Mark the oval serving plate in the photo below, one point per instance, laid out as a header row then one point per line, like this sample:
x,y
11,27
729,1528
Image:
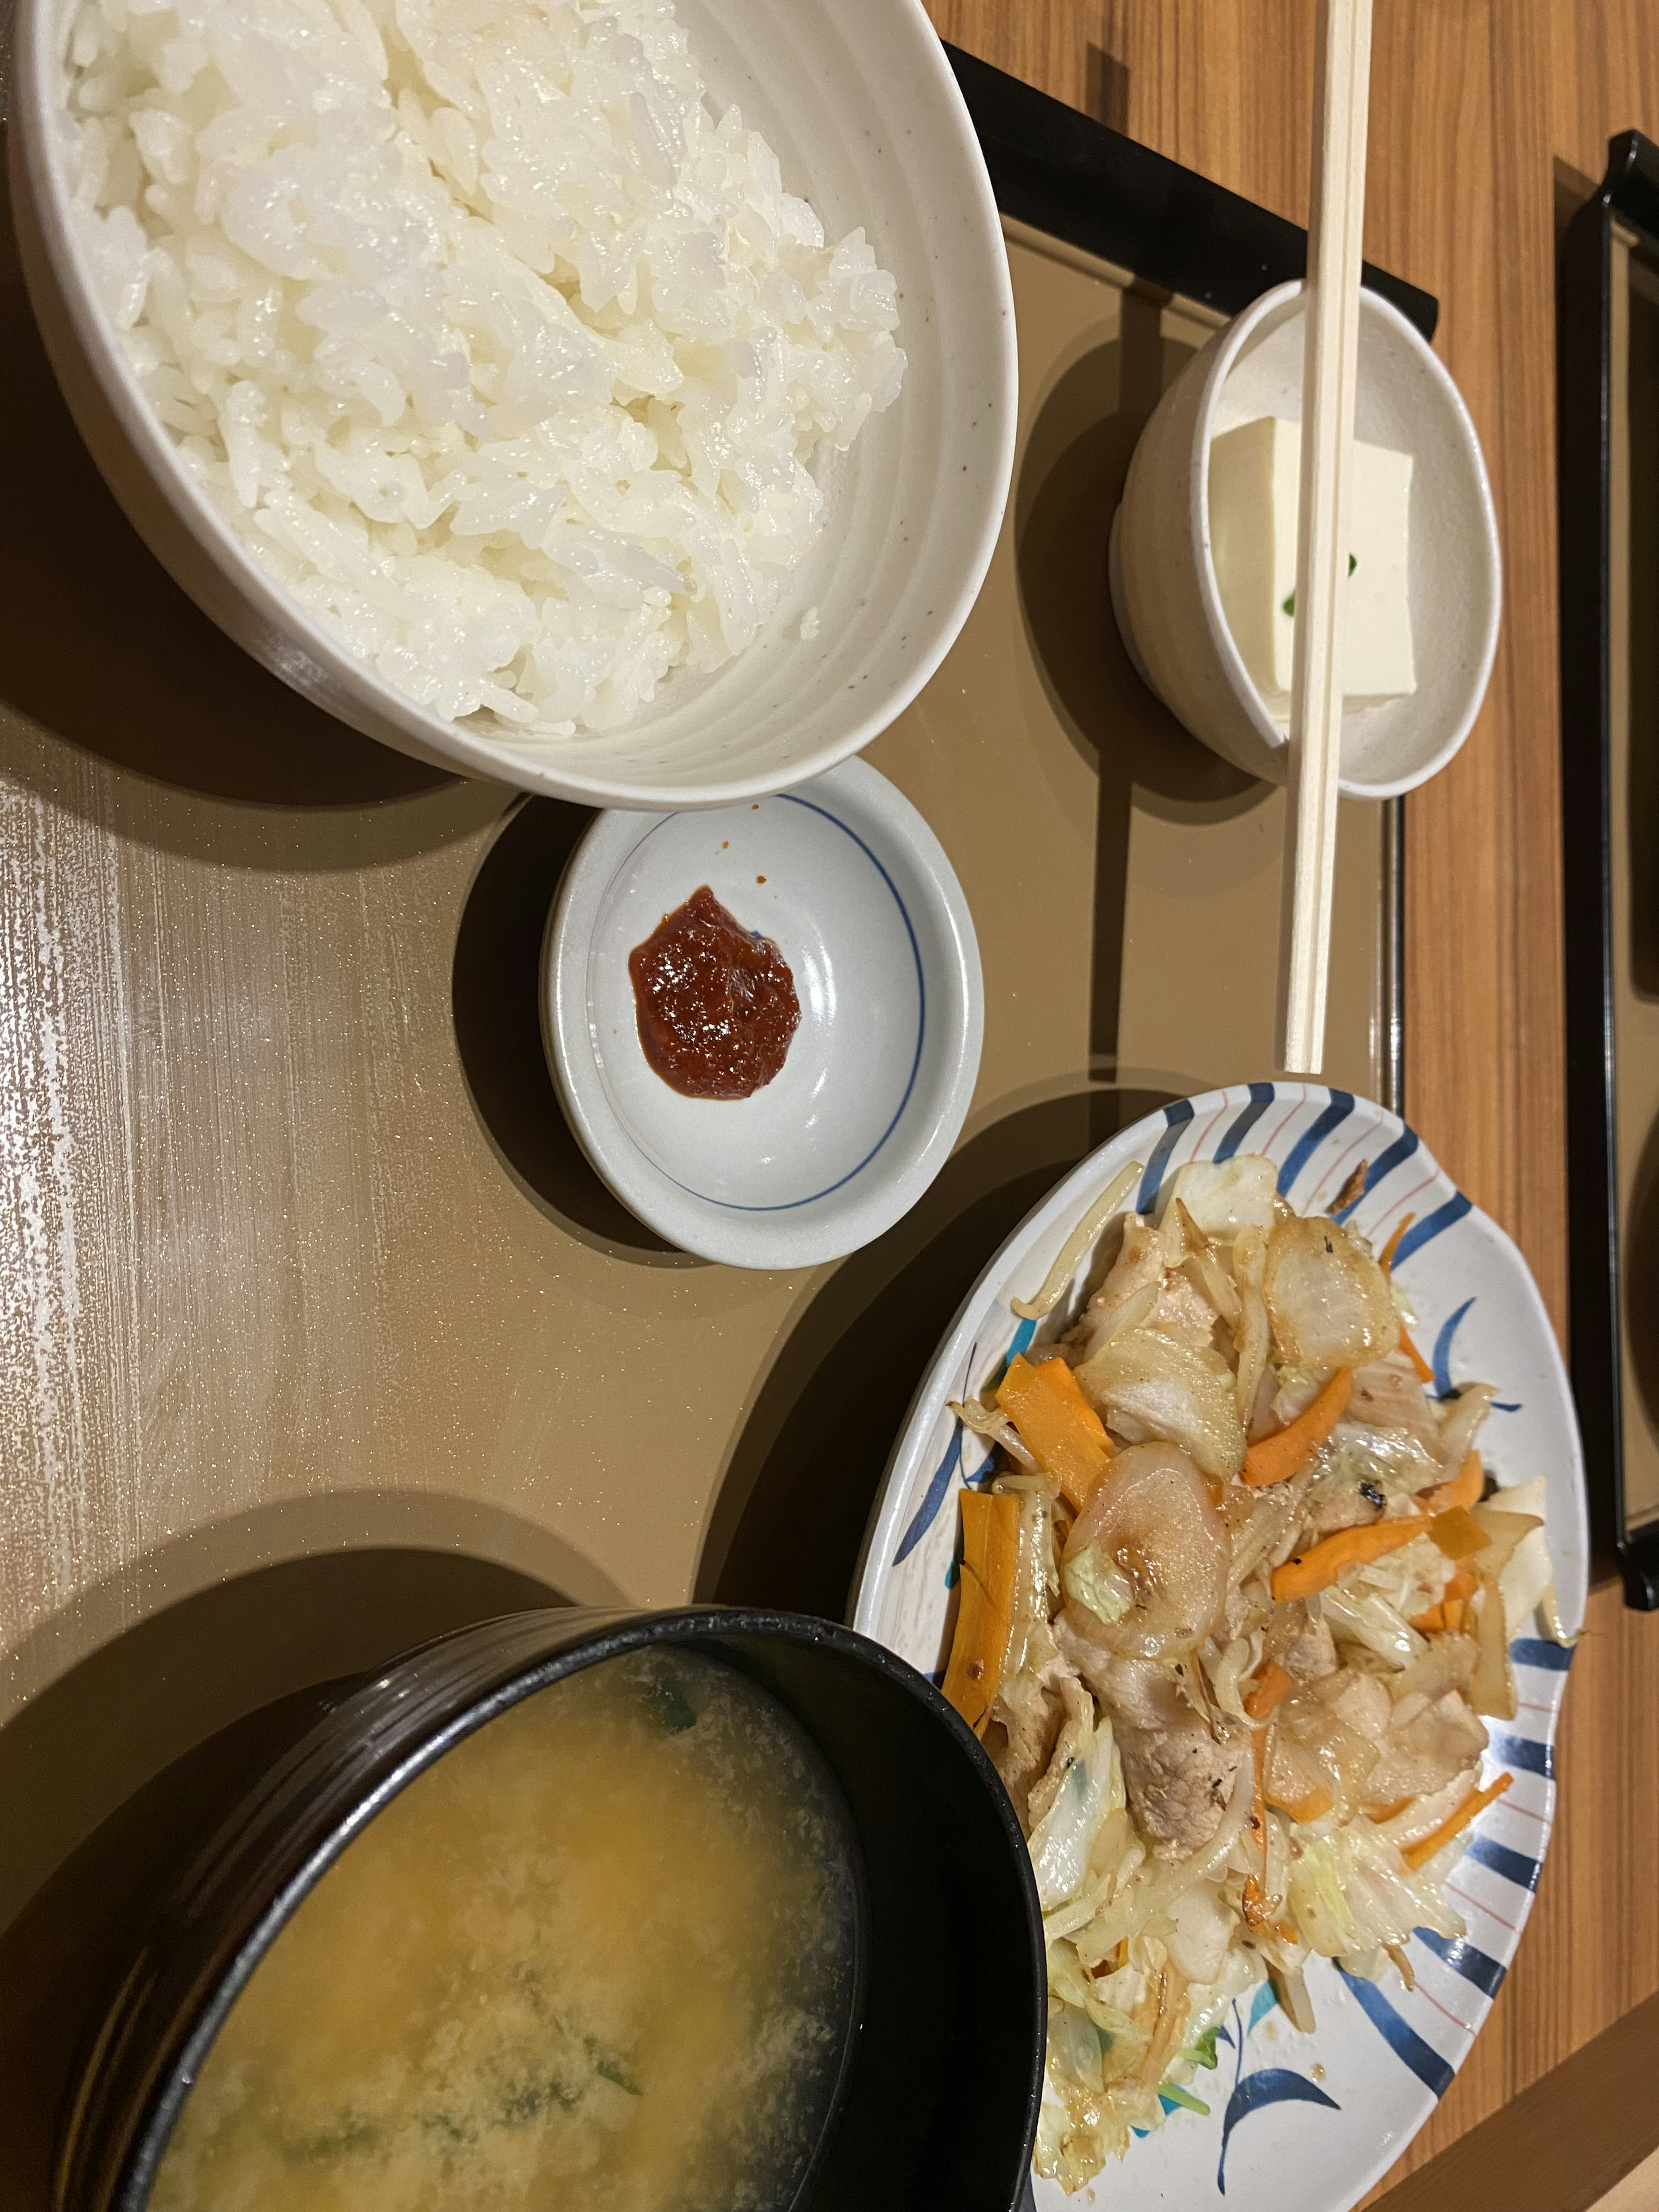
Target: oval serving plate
x,y
1296,2124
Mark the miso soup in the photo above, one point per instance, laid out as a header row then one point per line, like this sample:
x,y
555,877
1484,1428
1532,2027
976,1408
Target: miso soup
x,y
599,1958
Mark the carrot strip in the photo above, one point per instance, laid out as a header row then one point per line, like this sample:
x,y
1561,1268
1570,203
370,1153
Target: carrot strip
x,y
1379,1814
1385,1257
1464,1489
1056,1424
1425,1372
1448,1612
1281,1454
990,1552
1313,1807
1457,1533
1271,1686
1417,1856
1318,1568
1062,1380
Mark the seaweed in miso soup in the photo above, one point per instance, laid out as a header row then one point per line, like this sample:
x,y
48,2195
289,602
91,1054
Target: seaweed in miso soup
x,y
601,1955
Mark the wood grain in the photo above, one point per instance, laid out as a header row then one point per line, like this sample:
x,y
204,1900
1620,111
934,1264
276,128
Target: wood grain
x,y
1474,102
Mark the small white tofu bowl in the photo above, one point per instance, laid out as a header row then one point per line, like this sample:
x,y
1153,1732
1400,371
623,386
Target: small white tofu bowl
x,y
857,99
848,881
1164,583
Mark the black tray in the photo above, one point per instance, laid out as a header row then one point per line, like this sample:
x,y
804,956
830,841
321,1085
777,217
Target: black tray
x,y
1080,180
1609,1260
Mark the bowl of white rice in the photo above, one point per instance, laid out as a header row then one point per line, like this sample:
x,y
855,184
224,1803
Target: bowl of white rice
x,y
611,398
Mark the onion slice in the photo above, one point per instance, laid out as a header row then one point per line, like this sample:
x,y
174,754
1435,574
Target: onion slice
x,y
1058,1280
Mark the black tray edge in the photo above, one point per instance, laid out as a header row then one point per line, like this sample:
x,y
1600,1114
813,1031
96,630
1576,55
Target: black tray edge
x,y
1583,370
1062,172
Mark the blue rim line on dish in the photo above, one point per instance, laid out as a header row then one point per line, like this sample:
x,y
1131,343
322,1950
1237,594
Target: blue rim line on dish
x,y
789,1205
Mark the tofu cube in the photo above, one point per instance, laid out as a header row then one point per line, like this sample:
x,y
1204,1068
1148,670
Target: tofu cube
x,y
1255,494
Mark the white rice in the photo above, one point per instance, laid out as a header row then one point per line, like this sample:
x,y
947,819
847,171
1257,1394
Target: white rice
x,y
508,359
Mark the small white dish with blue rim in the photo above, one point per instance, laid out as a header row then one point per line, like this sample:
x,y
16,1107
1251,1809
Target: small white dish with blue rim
x,y
849,881
1288,2122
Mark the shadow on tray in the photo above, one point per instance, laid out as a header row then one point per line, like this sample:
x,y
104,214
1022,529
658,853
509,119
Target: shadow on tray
x,y
789,1519
271,1638
789,1524
498,1032
1071,480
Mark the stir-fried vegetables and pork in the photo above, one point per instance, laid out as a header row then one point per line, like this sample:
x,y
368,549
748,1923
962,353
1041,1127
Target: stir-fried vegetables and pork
x,y
1231,1611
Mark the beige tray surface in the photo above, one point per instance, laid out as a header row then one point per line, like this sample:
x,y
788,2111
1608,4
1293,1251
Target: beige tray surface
x,y
296,1260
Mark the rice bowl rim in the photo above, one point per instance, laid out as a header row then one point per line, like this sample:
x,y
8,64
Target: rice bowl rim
x,y
222,576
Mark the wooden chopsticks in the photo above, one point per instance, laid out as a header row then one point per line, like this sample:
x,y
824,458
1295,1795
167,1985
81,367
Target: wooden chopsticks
x,y
1329,377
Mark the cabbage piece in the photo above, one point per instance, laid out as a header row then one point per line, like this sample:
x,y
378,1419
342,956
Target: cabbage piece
x,y
1390,1458
1093,1579
1409,1580
1075,2053
1272,1522
1388,1393
1030,1648
1360,1698
1097,2103
1328,1302
1350,1892
1296,1389
1204,1927
1356,1615
1060,1842
1224,1196
1067,1981
1176,1391
1155,1885
1150,1524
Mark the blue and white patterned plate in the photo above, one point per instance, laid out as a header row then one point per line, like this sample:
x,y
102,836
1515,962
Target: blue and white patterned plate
x,y
1297,2124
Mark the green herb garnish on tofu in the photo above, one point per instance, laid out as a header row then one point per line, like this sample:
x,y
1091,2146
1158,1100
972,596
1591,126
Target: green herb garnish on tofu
x,y
1290,604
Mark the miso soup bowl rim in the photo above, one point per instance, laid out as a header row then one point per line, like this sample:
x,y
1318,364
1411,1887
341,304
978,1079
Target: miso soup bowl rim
x,y
365,1747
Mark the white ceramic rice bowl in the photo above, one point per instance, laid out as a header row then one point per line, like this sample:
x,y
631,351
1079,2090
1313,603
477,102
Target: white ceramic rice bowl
x,y
858,100
1296,2124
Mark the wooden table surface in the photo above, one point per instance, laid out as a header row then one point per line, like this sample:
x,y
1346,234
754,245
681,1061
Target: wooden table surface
x,y
1478,108
1477,104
